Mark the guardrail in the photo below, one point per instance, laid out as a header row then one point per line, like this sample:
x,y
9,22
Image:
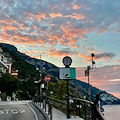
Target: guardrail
x,y
80,107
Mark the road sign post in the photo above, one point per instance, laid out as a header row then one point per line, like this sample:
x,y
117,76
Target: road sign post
x,y
47,78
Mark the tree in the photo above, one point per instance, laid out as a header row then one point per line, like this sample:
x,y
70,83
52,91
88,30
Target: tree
x,y
62,90
59,89
9,84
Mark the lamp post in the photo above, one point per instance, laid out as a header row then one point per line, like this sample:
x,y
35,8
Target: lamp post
x,y
93,62
67,74
87,73
67,62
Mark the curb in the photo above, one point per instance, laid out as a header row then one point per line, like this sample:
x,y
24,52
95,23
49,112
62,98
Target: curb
x,y
45,114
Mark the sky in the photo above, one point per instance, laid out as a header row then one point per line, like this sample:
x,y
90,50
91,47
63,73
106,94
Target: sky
x,y
76,28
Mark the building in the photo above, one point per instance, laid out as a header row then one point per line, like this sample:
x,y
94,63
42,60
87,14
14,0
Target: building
x,y
6,64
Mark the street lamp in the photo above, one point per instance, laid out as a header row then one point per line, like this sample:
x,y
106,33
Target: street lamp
x,y
87,73
93,62
67,62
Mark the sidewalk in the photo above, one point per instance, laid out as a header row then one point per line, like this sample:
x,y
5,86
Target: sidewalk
x,y
57,115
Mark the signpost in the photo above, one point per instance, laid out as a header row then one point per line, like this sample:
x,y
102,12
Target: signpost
x,y
67,74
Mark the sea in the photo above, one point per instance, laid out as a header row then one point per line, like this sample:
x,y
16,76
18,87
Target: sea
x,y
111,112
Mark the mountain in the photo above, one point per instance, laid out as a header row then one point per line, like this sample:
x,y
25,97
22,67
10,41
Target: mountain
x,y
105,97
27,71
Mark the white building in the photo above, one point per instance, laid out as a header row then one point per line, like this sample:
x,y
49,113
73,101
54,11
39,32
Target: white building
x,y
6,65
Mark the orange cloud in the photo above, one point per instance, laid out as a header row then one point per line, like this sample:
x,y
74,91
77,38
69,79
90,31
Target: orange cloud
x,y
56,53
76,16
53,15
30,52
116,94
35,27
38,17
5,28
22,26
117,61
116,68
92,51
41,40
70,33
84,56
75,6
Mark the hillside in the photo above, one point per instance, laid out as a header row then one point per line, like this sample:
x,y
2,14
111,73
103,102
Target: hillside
x,y
28,74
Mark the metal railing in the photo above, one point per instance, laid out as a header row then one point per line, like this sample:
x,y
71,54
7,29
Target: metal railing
x,y
80,107
44,105
87,110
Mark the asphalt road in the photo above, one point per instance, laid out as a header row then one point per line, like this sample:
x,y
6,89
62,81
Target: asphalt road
x,y
19,110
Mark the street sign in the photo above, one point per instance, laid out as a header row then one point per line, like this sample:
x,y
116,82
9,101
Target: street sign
x,y
47,78
67,73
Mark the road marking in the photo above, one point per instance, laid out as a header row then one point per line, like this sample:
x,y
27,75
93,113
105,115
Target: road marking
x,y
12,102
14,111
33,111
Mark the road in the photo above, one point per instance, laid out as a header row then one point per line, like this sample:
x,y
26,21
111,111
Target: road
x,y
19,110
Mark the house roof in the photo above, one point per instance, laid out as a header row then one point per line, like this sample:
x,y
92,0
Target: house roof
x,y
2,64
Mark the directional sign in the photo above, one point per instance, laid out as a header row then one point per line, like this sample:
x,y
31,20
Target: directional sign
x,y
47,78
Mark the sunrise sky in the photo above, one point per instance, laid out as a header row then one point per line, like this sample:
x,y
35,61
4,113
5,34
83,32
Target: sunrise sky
x,y
75,28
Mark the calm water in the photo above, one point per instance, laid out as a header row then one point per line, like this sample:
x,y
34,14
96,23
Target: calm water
x,y
112,112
